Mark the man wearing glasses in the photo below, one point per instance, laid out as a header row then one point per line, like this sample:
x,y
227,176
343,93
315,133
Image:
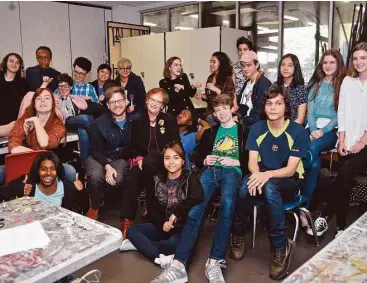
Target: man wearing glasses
x,y
109,148
34,75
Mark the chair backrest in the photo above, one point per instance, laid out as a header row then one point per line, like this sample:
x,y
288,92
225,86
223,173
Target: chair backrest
x,y
19,164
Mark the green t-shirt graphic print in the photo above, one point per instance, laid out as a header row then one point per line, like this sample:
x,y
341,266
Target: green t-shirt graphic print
x,y
226,145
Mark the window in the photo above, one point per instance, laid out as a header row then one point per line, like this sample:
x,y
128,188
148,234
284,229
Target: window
x,y
157,21
261,20
306,32
343,15
185,18
219,13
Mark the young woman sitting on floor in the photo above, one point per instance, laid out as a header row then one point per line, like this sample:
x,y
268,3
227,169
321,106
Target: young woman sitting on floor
x,y
169,198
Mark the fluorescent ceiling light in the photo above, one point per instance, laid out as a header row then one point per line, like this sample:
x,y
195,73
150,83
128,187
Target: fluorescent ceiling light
x,y
311,24
290,18
233,11
183,28
267,31
196,16
272,47
149,24
262,28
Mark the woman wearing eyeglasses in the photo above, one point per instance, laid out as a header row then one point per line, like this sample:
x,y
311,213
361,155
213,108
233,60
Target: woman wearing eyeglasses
x,y
172,193
150,133
132,84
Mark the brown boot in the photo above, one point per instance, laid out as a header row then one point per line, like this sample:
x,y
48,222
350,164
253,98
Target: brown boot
x,y
93,213
237,247
126,223
281,261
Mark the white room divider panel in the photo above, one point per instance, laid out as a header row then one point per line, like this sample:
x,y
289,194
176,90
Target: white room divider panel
x,y
178,44
153,59
204,43
50,29
10,40
228,41
87,29
131,49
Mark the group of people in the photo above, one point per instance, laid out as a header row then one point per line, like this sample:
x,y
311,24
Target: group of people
x,y
251,141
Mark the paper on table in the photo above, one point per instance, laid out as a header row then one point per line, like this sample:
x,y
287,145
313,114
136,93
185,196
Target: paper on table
x,y
21,238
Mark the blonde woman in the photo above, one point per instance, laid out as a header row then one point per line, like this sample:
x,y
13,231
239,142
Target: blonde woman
x,y
132,84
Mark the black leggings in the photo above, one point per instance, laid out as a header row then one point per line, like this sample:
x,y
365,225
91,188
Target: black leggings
x,y
338,201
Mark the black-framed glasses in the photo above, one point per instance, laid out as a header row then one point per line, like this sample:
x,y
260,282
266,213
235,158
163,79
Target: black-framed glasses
x,y
116,102
2,224
76,73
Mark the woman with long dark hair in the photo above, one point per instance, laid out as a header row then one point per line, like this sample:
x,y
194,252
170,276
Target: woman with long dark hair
x,y
13,87
46,181
173,192
220,80
178,86
352,140
290,76
323,98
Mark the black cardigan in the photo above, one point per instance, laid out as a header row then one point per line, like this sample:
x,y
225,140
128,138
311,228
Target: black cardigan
x,y
166,131
135,86
178,101
258,91
189,192
207,142
15,189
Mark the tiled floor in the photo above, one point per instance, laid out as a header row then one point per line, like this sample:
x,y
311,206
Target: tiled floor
x,y
132,267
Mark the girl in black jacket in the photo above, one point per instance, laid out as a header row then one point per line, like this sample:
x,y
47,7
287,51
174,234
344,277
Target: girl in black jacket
x,y
46,181
174,191
178,86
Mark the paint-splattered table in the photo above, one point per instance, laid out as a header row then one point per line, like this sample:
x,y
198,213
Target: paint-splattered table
x,y
342,260
76,241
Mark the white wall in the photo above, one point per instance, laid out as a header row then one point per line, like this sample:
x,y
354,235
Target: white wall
x,y
69,30
125,14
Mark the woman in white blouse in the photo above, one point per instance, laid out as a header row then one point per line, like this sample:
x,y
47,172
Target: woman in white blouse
x,y
352,141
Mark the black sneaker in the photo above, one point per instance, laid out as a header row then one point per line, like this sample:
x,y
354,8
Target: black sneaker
x,y
320,227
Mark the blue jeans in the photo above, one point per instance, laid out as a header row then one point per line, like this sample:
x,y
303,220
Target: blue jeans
x,y
79,125
2,174
152,241
70,172
275,191
326,142
228,180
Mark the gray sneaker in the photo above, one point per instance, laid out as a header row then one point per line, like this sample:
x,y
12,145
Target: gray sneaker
x,y
172,274
214,271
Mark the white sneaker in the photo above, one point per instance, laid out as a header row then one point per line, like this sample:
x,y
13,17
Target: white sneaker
x,y
214,271
172,274
338,232
320,227
164,260
127,246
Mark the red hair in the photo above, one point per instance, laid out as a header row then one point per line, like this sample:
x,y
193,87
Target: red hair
x,y
31,110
